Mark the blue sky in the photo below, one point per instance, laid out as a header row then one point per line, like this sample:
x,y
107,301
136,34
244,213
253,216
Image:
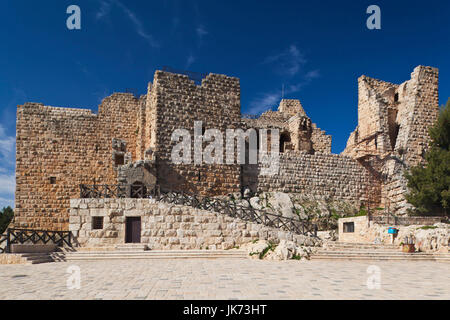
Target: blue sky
x,y
315,49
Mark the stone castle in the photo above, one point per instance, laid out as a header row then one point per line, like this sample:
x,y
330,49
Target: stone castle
x,y
129,142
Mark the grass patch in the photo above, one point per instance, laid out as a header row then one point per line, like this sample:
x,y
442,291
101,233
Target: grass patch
x,y
427,227
270,247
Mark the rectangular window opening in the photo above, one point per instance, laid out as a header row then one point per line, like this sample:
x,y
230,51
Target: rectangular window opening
x,y
97,223
349,227
119,159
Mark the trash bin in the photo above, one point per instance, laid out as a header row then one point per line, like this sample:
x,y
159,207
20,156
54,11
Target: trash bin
x,y
392,230
393,233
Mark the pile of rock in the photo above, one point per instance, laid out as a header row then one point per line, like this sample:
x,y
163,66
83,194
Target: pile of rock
x,y
284,250
432,238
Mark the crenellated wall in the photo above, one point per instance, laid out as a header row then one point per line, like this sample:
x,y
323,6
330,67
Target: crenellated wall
x,y
59,148
178,102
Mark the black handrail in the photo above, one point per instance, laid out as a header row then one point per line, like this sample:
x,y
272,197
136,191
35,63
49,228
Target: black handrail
x,y
3,238
228,207
23,236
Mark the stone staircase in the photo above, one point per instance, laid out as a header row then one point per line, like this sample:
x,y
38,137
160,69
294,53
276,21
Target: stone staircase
x,y
131,247
35,258
130,253
378,252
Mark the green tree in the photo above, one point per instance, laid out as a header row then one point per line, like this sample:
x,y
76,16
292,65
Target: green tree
x,y
429,185
6,215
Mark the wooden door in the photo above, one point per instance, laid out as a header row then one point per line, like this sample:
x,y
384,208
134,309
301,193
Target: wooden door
x,y
133,230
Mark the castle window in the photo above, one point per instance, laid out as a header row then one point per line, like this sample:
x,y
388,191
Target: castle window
x,y
52,180
97,223
349,227
396,97
119,159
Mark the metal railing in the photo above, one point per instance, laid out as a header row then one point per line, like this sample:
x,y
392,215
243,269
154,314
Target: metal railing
x,y
232,208
98,191
3,243
31,236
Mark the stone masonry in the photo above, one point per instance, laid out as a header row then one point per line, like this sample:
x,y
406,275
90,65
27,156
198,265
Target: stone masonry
x,y
129,141
322,175
166,226
393,123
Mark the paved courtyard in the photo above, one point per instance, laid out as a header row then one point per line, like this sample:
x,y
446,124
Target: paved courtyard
x,y
227,279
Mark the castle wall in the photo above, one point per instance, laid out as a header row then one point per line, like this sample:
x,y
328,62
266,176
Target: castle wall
x,y
59,148
167,226
321,142
417,112
396,118
141,124
375,99
176,104
321,175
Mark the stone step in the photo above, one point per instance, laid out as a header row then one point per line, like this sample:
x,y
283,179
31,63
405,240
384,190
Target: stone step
x,y
381,258
361,245
224,252
131,247
370,251
361,249
157,254
35,258
380,254
399,249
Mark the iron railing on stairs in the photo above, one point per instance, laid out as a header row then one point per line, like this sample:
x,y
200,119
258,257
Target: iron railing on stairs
x,y
232,208
31,236
3,243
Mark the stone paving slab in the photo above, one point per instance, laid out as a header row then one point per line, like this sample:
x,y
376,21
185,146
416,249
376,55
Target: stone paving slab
x,y
226,279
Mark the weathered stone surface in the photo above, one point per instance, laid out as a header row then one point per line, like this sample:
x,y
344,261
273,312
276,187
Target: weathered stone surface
x,y
283,250
60,148
160,232
427,238
11,258
393,123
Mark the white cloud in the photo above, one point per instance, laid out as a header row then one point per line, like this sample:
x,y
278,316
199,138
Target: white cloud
x,y
6,202
288,62
7,164
269,100
7,149
105,8
138,25
201,31
190,61
265,102
312,75
7,184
